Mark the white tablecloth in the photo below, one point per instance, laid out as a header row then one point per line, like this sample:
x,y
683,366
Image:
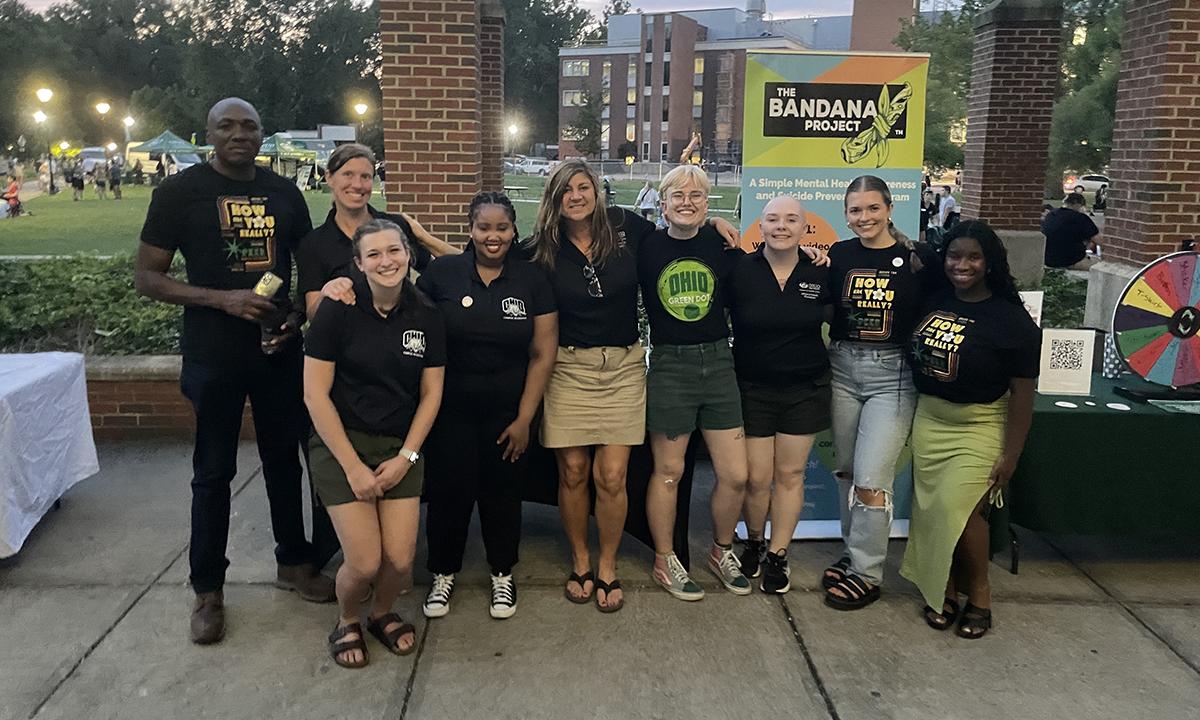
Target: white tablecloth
x,y
46,441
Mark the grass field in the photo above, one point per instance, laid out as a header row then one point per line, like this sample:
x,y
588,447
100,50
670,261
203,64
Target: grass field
x,y
61,226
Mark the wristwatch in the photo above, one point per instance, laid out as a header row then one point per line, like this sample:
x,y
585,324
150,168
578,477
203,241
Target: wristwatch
x,y
410,455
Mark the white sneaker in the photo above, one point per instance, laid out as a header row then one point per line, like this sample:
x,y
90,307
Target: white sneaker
x,y
437,602
504,597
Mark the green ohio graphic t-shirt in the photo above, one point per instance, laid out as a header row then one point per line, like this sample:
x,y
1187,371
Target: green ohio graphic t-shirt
x,y
683,286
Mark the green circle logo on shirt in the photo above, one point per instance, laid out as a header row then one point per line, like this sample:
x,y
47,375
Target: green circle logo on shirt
x,y
685,289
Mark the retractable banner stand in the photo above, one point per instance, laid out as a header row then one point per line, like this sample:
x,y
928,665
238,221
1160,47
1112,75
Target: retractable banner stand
x,y
814,122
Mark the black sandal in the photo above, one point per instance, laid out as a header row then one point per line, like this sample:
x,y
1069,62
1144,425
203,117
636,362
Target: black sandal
x,y
944,619
378,628
839,570
339,645
582,580
857,593
975,622
608,587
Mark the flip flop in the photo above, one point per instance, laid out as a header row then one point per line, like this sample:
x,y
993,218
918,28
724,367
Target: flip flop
x,y
582,580
608,587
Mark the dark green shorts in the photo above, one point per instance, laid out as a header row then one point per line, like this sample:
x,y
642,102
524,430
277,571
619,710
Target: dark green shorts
x,y
800,409
690,387
330,481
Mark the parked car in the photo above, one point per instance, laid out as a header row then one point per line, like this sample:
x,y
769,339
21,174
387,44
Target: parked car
x,y
1089,183
511,168
90,157
537,166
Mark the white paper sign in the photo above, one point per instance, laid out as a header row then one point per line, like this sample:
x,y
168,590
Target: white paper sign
x,y
1066,362
1033,303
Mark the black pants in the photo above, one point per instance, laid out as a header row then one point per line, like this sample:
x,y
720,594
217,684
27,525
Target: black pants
x,y
218,395
464,468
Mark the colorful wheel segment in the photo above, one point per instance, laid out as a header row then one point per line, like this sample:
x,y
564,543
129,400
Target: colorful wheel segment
x,y
1157,321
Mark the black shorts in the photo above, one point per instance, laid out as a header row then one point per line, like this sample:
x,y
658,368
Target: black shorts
x,y
800,409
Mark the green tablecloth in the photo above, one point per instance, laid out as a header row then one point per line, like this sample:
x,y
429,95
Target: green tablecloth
x,y
1094,470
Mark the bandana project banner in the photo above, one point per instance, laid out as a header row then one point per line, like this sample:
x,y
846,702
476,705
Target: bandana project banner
x,y
814,122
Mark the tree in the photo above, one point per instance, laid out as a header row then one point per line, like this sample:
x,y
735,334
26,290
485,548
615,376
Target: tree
x,y
613,7
587,130
949,39
534,31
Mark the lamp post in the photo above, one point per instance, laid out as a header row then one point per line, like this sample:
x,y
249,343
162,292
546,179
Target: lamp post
x,y
45,95
129,123
360,109
513,129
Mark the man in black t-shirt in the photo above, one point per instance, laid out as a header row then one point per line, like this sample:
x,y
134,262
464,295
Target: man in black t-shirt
x,y
1070,233
233,221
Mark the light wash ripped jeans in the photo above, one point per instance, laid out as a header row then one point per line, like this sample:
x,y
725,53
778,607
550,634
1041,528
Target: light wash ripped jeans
x,y
873,405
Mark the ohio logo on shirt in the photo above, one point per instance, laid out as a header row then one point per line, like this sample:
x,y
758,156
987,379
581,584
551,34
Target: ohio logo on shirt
x,y
513,308
414,343
809,290
937,342
248,229
685,289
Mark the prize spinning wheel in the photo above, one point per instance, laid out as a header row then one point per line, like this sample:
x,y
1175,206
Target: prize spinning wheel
x,y
1157,321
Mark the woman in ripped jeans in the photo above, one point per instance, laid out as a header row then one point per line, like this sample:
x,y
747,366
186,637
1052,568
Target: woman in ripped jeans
x,y
882,279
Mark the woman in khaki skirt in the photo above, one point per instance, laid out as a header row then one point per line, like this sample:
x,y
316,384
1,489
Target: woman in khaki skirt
x,y
373,384
596,397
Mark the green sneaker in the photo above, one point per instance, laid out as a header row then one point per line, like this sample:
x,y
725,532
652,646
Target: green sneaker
x,y
673,578
728,570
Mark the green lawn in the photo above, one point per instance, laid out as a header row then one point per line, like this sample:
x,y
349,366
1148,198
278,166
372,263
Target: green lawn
x,y
61,226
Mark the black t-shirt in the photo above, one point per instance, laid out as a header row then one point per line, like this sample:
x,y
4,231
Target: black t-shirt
x,y
603,311
378,361
229,232
968,352
777,333
877,296
488,327
1067,232
683,286
326,253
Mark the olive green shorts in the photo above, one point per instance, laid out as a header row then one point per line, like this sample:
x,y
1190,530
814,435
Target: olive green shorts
x,y
690,387
330,480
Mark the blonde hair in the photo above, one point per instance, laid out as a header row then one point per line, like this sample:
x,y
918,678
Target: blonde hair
x,y
546,238
682,176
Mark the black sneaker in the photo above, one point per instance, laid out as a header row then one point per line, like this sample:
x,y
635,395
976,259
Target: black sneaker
x,y
751,557
776,574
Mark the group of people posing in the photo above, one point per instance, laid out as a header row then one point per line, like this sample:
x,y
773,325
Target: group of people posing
x,y
436,387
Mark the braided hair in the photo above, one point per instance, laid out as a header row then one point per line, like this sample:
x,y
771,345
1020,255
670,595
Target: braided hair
x,y
998,277
491,197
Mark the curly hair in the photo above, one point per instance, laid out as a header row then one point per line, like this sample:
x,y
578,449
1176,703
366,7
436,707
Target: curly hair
x,y
998,275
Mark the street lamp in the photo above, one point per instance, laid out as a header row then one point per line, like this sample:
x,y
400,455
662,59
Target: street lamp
x,y
64,145
129,122
360,109
103,108
513,129
40,118
111,147
44,94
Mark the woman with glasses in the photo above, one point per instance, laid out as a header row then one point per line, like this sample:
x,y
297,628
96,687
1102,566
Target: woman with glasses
x,y
595,404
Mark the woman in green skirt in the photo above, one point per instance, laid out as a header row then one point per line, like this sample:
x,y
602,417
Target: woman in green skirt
x,y
975,358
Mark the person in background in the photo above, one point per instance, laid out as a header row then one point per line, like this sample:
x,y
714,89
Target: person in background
x,y
100,178
114,179
975,359
1100,202
12,197
77,182
373,380
947,209
648,201
1070,234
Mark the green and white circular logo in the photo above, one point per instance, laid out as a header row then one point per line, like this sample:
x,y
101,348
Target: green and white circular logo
x,y
685,289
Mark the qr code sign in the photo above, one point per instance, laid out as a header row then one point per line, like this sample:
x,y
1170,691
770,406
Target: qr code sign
x,y
1066,354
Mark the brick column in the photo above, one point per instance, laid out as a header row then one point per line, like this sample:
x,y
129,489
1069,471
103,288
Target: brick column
x,y
491,92
1014,78
1156,148
431,110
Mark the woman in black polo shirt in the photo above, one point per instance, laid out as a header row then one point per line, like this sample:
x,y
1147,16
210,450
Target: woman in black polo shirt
x,y
976,355
325,260
778,301
372,383
501,330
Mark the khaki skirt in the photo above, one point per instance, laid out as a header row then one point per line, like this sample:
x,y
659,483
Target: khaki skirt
x,y
596,396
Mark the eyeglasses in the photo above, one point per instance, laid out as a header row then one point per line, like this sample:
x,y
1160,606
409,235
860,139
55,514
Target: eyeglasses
x,y
589,274
696,196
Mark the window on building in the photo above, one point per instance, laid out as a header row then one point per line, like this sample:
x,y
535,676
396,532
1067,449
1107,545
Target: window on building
x,y
605,97
631,96
630,133
645,151
650,40
572,98
604,137
666,72
667,30
631,112
665,106
698,66
631,76
606,73
575,68
666,148
648,75
697,98
645,112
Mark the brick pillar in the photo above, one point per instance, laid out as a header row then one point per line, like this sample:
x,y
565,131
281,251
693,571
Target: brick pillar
x,y
1155,164
491,92
431,110
1014,79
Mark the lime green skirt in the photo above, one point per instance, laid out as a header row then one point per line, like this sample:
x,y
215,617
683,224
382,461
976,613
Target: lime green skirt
x,y
954,447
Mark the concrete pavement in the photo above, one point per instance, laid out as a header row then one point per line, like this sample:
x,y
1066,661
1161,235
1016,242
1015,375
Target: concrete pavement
x,y
95,617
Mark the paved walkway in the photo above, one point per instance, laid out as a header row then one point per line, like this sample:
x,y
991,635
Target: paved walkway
x,y
95,613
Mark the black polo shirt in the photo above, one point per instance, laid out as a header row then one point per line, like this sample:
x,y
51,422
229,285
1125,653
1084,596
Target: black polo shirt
x,y
488,327
229,232
968,352
878,297
326,253
1067,232
777,333
683,286
612,319
378,360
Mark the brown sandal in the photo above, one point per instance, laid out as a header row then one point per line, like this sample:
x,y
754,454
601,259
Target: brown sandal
x,y
339,645
390,640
